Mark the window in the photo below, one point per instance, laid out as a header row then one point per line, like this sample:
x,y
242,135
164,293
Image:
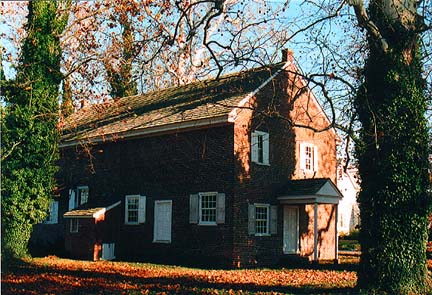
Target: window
x,y
308,157
260,147
83,193
74,225
207,209
78,196
135,206
132,204
261,219
52,217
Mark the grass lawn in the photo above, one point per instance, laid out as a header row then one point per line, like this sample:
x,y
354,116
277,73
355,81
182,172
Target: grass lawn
x,y
349,245
52,275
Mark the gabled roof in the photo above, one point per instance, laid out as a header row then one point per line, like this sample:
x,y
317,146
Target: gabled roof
x,y
204,102
306,191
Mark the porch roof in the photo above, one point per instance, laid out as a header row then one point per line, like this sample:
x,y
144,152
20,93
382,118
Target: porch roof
x,y
310,191
90,212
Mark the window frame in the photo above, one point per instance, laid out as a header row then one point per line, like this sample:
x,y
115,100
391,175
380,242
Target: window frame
x,y
200,208
267,219
50,217
137,197
79,200
78,197
260,147
74,226
311,160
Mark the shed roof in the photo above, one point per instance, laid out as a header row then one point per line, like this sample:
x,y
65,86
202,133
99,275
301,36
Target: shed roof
x,y
188,103
90,212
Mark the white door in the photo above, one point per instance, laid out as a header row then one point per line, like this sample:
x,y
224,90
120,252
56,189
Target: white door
x,y
290,230
108,251
162,221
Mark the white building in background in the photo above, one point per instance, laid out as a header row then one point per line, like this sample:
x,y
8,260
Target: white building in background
x,y
348,183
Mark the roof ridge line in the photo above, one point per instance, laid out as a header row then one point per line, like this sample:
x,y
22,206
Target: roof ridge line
x,y
233,114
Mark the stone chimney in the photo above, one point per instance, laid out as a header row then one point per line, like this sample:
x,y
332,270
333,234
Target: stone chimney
x,y
287,55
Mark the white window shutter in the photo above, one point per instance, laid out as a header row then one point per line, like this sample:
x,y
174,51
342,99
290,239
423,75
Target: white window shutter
x,y
54,212
315,155
251,221
193,208
266,148
220,208
273,220
71,199
141,209
302,156
126,209
254,147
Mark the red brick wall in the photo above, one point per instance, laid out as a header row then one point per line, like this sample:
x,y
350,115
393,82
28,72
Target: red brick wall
x,y
171,167
260,183
276,113
80,245
326,231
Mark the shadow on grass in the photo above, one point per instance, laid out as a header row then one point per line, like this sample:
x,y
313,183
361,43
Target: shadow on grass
x,y
26,278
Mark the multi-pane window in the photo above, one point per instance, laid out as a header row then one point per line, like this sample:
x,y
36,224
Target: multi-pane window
x,y
52,216
132,208
308,157
261,219
208,208
309,153
260,147
78,196
74,225
83,193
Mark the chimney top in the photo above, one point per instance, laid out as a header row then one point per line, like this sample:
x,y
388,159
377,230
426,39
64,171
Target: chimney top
x,y
287,55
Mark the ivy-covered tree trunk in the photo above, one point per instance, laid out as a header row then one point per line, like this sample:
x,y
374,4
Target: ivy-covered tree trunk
x,y
120,76
29,133
392,155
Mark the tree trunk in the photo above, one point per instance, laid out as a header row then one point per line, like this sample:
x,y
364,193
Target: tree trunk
x,y
392,155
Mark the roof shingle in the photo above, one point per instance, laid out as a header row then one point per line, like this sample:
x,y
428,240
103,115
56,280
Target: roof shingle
x,y
195,101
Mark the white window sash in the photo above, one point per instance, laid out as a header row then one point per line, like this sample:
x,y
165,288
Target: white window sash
x,y
201,195
127,198
313,157
74,222
267,219
79,197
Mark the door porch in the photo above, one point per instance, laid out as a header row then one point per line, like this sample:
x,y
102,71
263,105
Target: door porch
x,y
310,218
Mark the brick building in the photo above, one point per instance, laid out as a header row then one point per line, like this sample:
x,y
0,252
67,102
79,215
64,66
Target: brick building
x,y
217,172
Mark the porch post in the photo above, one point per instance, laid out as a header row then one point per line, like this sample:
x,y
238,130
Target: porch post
x,y
315,232
336,234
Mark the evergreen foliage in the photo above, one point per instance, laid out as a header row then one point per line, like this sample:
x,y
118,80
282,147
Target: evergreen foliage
x,y
29,129
392,155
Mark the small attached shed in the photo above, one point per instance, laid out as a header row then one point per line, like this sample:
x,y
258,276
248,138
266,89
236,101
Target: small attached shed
x,y
91,233
310,218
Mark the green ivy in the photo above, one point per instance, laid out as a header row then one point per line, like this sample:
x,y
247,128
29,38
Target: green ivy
x,y
29,134
393,165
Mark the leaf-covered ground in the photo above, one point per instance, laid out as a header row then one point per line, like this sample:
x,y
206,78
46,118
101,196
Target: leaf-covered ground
x,y
52,275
